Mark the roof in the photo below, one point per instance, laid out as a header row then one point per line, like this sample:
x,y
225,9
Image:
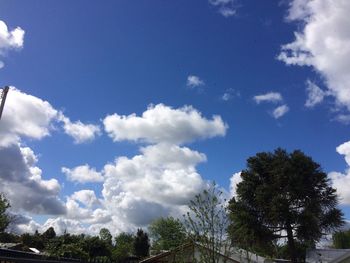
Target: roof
x,y
327,255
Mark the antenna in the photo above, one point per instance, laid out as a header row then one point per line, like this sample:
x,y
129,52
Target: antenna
x,y
3,99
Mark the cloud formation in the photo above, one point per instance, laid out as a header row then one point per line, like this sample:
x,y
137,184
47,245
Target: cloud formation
x,y
10,39
280,111
82,174
161,123
341,181
315,95
323,43
194,81
226,8
79,131
273,97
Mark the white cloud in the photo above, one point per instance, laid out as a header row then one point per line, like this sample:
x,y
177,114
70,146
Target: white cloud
x,y
230,94
25,116
341,181
161,123
62,224
79,131
86,197
10,39
82,174
22,184
157,182
194,81
234,181
273,97
315,94
323,42
280,111
226,8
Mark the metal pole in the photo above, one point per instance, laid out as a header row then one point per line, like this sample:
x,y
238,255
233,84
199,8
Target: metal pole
x,y
3,99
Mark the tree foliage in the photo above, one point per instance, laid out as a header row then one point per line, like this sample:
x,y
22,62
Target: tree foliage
x,y
341,239
167,233
283,196
4,217
141,244
106,236
124,246
207,223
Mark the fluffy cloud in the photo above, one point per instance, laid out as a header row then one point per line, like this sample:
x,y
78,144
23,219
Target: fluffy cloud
x,y
82,174
86,197
280,111
161,123
62,224
79,131
273,97
157,182
10,39
226,8
323,43
25,116
22,184
341,181
194,81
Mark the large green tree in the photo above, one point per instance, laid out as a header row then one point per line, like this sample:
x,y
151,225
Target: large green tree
x,y
283,196
167,233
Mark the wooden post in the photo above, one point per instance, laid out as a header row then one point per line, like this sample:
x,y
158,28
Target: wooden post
x,y
3,98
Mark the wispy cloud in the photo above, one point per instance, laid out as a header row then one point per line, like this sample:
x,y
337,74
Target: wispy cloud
x,y
280,111
227,8
314,94
194,81
273,97
230,94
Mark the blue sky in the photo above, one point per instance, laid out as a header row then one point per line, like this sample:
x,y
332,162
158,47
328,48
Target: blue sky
x,y
89,60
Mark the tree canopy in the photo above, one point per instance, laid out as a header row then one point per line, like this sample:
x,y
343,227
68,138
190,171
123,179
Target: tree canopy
x,y
141,244
341,239
167,233
283,196
4,217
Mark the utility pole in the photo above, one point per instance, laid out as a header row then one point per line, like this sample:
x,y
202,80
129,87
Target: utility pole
x,y
3,99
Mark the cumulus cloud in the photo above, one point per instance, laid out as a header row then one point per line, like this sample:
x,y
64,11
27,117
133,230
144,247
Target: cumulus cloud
x,y
79,131
315,94
226,8
82,174
86,197
341,181
159,180
161,123
21,182
194,81
25,116
10,39
273,97
280,111
323,43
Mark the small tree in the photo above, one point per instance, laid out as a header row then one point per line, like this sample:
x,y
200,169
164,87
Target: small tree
x,y
283,196
141,244
49,233
167,233
106,236
207,223
4,217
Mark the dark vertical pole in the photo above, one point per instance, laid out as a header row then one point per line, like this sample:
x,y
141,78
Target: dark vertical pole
x,y
3,98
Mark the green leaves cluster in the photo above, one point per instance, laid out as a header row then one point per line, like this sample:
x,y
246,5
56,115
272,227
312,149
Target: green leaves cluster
x,y
282,196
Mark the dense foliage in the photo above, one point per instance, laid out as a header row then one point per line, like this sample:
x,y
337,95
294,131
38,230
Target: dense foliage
x,y
341,239
283,196
167,233
4,217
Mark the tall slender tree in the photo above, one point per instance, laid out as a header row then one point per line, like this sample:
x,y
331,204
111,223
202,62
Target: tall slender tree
x,y
141,244
283,196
